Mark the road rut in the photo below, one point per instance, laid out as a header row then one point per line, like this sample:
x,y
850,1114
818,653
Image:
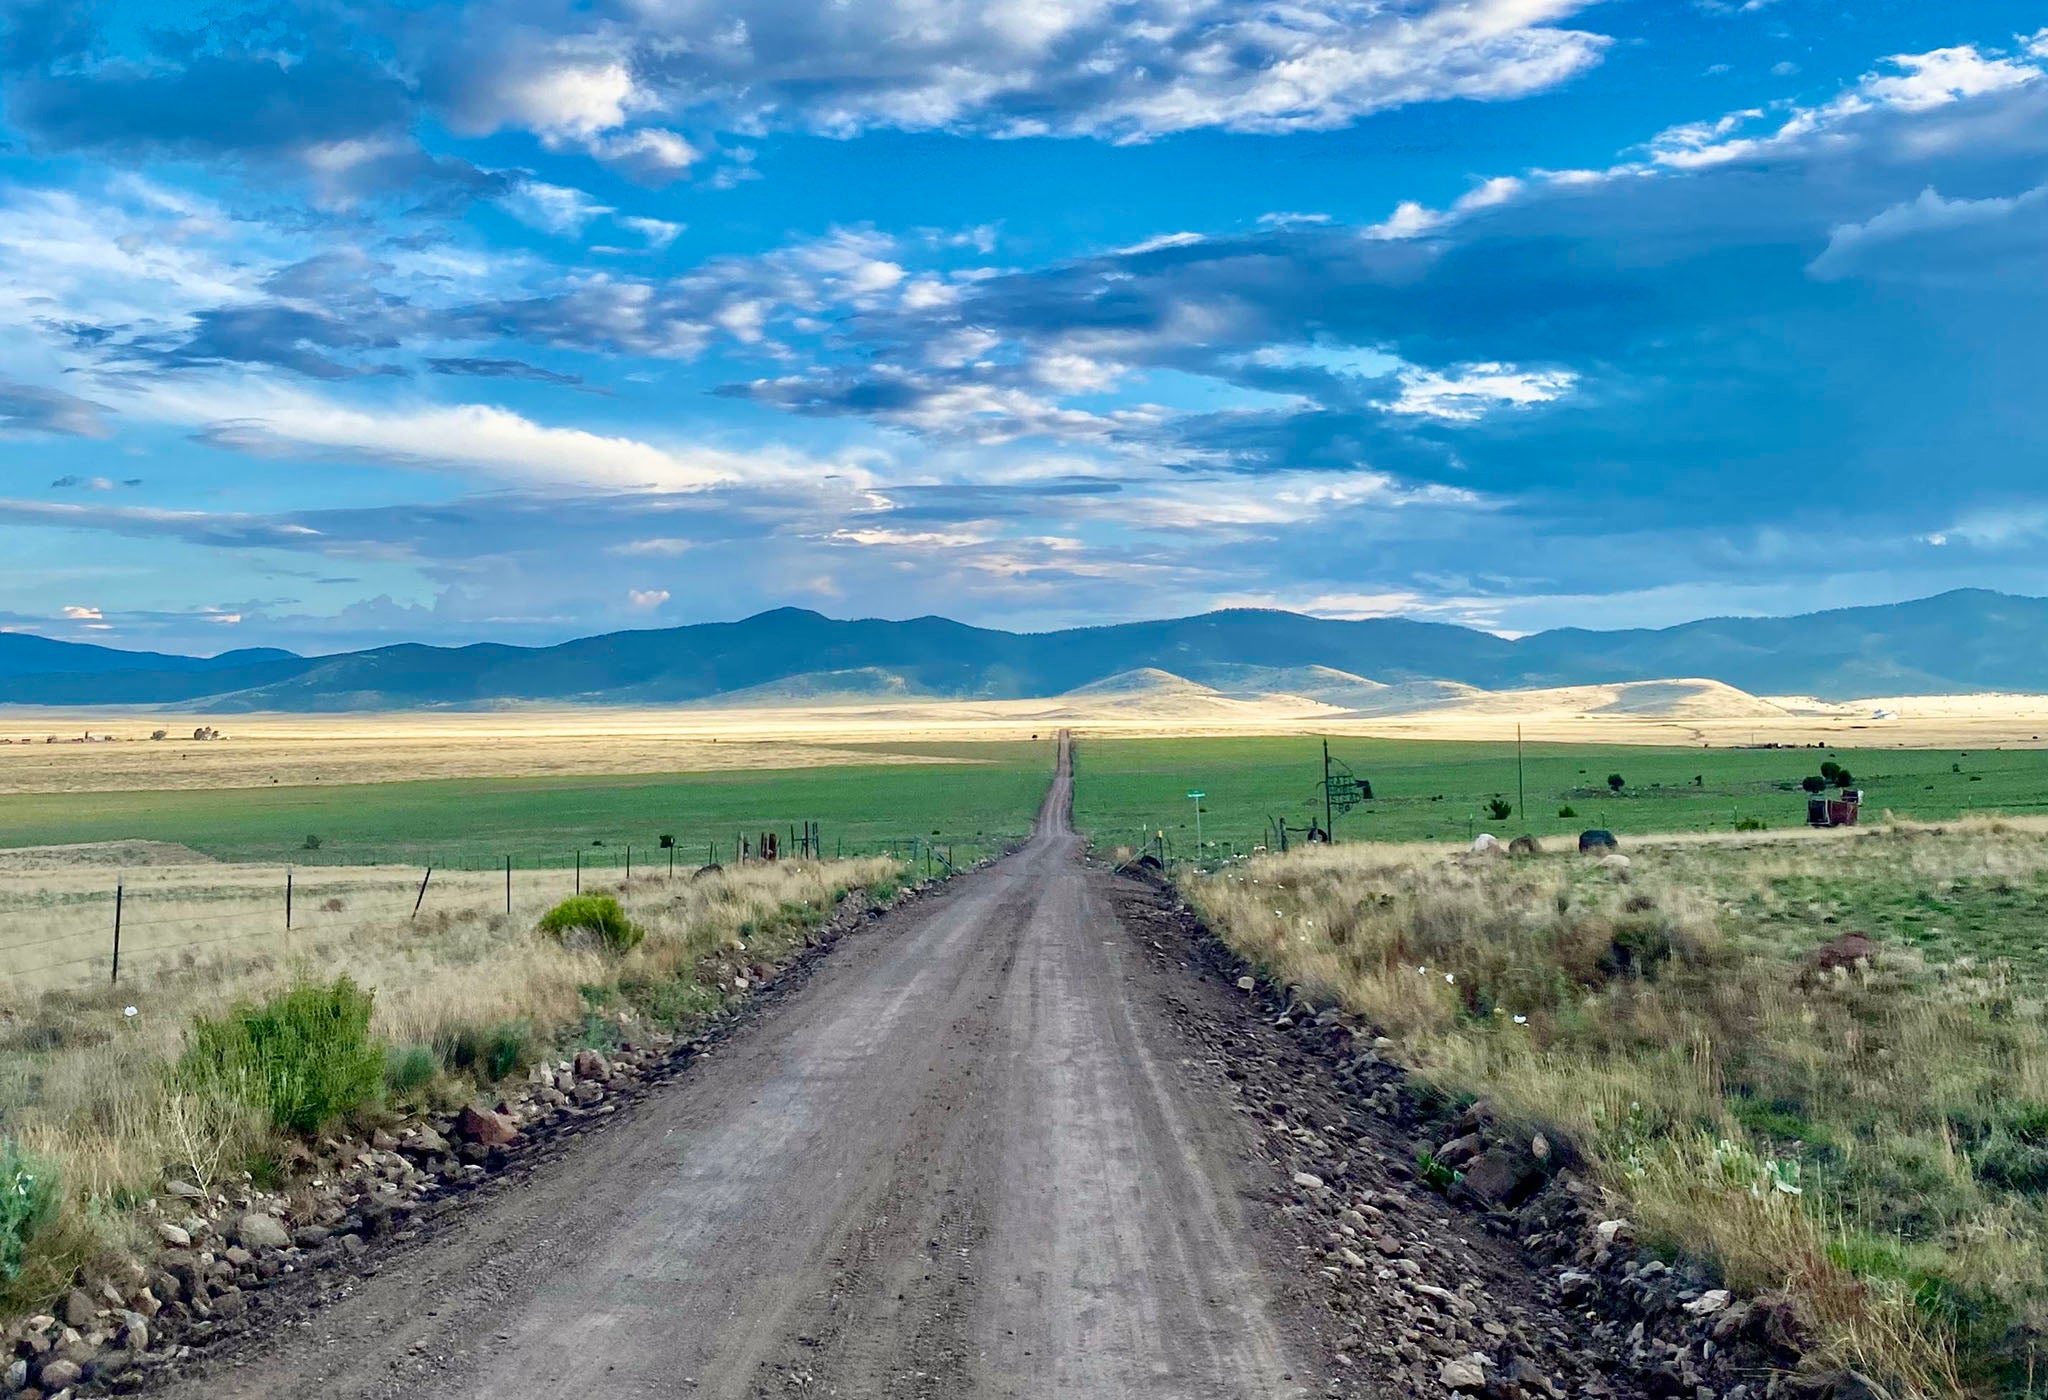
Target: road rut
x,y
960,1161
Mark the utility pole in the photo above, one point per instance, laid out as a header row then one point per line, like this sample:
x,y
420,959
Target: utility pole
x,y
1329,817
1521,792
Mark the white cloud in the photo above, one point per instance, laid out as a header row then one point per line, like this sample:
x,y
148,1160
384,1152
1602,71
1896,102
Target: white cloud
x,y
559,94
1470,392
77,613
1910,83
647,599
663,547
1129,71
908,539
659,233
652,154
1852,248
473,439
1942,76
553,209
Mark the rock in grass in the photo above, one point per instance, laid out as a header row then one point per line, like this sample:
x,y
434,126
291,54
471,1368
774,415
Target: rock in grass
x,y
77,1309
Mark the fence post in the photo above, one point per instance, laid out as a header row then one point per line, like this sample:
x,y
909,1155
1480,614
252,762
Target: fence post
x,y
117,931
579,870
508,884
423,892
287,899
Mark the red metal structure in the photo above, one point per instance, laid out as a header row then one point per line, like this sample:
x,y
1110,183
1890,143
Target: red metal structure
x,y
1839,810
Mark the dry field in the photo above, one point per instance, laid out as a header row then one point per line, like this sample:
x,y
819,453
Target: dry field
x,y
1875,1138
90,1089
262,750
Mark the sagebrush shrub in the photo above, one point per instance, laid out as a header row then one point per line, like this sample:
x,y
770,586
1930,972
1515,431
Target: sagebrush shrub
x,y
598,916
305,1055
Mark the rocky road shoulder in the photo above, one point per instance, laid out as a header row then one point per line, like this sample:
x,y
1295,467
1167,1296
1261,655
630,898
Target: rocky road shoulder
x,y
1494,1270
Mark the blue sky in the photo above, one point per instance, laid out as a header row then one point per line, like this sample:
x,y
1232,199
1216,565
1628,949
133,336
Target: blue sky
x,y
333,325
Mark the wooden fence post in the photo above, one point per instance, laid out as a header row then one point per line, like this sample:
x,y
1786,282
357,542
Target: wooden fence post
x,y
287,899
508,884
422,897
117,930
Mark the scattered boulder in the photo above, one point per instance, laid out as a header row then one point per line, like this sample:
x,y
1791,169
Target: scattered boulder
x,y
592,1065
1617,863
78,1309
484,1128
1525,846
60,1374
1464,1373
258,1230
1486,844
1247,984
1500,1178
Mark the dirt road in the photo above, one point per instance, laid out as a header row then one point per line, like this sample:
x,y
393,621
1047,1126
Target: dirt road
x,y
960,1161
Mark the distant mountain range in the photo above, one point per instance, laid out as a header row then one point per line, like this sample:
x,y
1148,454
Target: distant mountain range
x,y
1959,642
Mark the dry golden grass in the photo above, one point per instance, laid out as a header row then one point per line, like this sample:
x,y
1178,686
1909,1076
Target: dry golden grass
x,y
86,1085
1875,1140
555,740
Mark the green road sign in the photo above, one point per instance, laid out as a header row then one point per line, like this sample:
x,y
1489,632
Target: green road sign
x,y
1198,794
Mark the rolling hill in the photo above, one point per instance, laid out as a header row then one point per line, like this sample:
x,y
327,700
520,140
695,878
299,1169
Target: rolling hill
x,y
1959,642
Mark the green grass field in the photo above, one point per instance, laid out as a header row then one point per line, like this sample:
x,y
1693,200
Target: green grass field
x,y
976,804
1439,791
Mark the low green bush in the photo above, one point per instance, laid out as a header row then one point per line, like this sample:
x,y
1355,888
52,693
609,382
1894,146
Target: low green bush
x,y
492,1052
306,1055
408,1068
28,1200
599,916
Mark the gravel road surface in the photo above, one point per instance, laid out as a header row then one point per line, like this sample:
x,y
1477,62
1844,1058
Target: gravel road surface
x,y
962,1160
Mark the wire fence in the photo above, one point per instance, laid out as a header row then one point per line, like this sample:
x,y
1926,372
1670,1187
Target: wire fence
x,y
65,925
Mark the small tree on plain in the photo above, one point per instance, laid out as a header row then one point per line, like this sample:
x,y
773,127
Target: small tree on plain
x,y
1500,810
1615,782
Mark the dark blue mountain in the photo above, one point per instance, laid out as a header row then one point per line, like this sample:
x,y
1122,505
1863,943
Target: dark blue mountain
x,y
1971,640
